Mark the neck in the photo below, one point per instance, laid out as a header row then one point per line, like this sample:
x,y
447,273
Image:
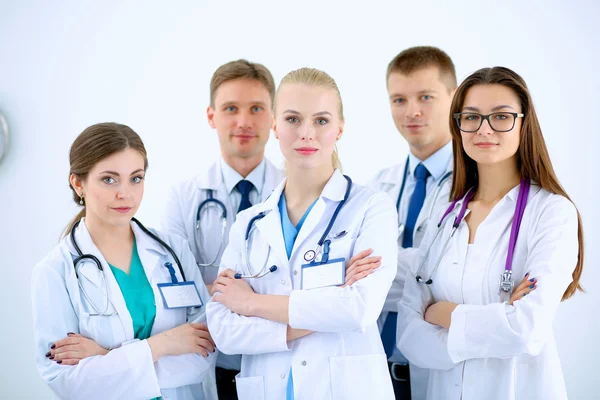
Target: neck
x,y
423,153
243,166
496,180
106,236
305,185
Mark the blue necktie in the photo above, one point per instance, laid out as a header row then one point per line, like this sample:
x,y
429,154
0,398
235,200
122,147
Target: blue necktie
x,y
244,187
415,205
388,332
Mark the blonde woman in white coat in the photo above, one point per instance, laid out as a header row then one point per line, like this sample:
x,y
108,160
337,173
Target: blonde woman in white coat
x,y
102,329
304,332
481,339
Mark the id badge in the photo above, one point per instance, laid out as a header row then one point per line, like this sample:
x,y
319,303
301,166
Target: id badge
x,y
180,295
318,275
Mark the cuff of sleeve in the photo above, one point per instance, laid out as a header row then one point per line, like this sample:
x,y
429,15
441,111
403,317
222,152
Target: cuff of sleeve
x,y
457,342
139,356
297,319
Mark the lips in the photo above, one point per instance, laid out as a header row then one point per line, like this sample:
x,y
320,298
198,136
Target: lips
x,y
245,136
306,151
485,145
122,209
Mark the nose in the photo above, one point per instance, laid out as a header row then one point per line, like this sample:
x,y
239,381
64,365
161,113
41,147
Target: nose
x,y
123,191
244,120
413,110
307,132
485,128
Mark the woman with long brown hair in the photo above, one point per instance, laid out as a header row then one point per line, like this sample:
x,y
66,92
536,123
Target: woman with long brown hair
x,y
109,311
495,264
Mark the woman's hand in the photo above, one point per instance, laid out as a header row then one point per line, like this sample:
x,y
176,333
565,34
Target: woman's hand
x,y
74,347
360,266
525,287
440,313
184,339
235,294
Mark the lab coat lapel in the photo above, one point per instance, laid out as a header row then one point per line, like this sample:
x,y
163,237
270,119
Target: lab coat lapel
x,y
333,191
273,178
270,226
87,246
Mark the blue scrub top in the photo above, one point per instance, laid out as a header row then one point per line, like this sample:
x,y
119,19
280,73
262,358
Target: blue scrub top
x,y
290,232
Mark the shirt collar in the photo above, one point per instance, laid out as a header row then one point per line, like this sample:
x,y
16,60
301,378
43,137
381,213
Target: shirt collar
x,y
437,163
231,177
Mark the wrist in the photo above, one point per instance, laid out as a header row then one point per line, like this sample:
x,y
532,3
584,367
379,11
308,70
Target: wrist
x,y
252,306
158,346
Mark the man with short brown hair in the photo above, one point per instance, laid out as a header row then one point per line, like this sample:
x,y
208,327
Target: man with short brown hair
x,y
420,82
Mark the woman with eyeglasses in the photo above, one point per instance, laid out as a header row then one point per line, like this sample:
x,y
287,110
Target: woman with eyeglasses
x,y
496,262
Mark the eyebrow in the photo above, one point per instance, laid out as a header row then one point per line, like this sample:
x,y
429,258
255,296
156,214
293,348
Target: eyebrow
x,y
117,174
493,109
314,115
231,103
420,92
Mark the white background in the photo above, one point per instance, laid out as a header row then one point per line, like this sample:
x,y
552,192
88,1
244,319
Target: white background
x,y
67,65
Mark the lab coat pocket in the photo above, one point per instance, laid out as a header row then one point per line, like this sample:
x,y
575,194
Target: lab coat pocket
x,y
362,376
250,388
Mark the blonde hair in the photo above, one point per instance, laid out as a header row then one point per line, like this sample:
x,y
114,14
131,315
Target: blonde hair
x,y
316,77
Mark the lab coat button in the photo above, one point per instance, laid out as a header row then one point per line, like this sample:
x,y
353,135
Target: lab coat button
x,y
283,282
303,363
282,376
296,272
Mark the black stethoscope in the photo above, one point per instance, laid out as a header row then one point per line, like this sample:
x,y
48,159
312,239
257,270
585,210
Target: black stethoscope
x,y
437,192
319,255
80,257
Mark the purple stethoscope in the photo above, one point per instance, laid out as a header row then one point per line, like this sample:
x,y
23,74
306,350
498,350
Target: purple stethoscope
x,y
506,282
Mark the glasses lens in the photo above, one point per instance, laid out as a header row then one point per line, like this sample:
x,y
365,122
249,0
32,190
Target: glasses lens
x,y
502,122
469,122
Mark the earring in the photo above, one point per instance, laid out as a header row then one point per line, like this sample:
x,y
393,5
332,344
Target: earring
x,y
81,199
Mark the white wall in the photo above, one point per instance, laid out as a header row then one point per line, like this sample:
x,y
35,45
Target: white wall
x,y
67,65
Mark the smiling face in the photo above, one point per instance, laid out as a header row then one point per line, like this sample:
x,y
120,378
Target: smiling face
x,y
307,124
420,105
485,145
242,117
113,188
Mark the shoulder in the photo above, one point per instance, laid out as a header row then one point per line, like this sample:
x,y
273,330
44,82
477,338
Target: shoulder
x,y
389,175
370,197
547,204
54,262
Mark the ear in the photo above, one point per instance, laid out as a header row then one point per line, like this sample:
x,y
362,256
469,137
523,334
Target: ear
x,y
341,132
76,183
274,126
210,115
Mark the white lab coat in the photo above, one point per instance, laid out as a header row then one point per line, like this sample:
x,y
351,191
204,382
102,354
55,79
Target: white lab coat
x,y
493,350
127,371
180,214
344,358
390,181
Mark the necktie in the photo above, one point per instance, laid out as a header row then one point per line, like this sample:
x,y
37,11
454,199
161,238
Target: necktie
x,y
244,187
415,205
388,332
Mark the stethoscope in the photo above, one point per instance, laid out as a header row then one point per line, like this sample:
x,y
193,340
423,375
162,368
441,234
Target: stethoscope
x,y
211,201
80,257
319,255
506,284
436,194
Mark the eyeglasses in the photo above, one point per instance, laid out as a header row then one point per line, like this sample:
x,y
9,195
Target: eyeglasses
x,y
499,121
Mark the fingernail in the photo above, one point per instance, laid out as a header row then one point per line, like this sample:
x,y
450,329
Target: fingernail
x,y
524,294
70,333
59,362
52,357
532,279
526,275
531,287
48,354
53,346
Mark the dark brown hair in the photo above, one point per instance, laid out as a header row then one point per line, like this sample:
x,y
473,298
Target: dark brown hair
x,y
533,160
93,145
241,69
420,57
